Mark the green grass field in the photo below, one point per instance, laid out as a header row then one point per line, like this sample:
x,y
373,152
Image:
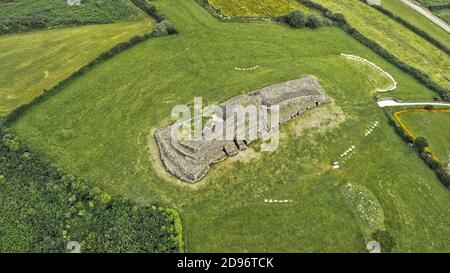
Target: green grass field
x,y
99,127
410,15
24,14
403,43
258,7
434,127
33,61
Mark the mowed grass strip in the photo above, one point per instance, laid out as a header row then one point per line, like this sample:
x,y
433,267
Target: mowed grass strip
x,y
434,126
397,39
34,61
258,7
99,127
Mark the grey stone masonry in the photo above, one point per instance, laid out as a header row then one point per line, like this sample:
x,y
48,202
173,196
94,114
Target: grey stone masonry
x,y
190,159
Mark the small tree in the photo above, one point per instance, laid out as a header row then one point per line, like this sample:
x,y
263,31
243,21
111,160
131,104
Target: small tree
x,y
421,143
385,239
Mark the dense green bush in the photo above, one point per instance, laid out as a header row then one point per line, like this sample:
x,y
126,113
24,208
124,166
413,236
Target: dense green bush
x,y
295,19
298,19
385,239
421,143
43,208
164,28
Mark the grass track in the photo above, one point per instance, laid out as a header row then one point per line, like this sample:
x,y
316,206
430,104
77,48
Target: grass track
x,y
103,121
33,61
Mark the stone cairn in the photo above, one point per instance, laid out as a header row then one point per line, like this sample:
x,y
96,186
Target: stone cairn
x,y
190,160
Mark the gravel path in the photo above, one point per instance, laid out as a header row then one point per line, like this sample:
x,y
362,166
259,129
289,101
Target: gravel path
x,y
392,102
428,14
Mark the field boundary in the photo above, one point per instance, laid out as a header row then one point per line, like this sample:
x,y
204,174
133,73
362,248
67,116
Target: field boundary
x,y
426,155
149,9
411,27
342,23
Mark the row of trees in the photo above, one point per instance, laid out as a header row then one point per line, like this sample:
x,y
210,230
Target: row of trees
x,y
43,208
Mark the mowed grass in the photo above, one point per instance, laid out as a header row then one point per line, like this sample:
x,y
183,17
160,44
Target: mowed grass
x,y
418,20
258,7
34,61
403,43
435,127
99,127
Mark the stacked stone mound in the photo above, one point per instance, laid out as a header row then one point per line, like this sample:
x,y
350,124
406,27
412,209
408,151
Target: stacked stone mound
x,y
190,160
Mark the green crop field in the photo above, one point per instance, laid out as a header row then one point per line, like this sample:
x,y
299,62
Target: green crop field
x,y
257,7
434,127
27,60
99,127
19,15
410,15
403,43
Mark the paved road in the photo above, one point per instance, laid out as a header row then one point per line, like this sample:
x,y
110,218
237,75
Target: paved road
x,y
428,14
390,102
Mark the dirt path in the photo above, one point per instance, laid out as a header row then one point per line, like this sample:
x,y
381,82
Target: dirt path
x,y
427,14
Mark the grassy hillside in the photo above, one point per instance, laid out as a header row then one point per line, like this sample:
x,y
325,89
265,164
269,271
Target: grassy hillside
x,y
434,127
32,62
17,15
99,127
403,43
258,7
410,15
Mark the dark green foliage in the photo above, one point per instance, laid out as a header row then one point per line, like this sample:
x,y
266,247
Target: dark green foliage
x,y
42,209
298,19
164,28
421,143
295,19
386,240
23,15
